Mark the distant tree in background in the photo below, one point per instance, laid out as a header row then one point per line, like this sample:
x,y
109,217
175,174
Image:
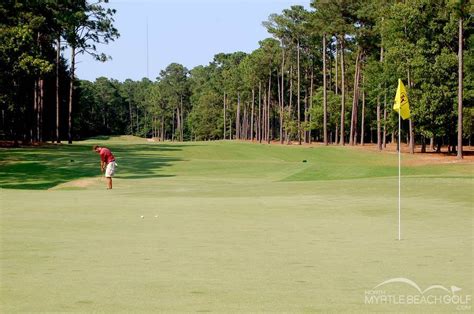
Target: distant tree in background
x,y
87,24
30,49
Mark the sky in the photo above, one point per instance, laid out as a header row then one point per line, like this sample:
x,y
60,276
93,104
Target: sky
x,y
189,32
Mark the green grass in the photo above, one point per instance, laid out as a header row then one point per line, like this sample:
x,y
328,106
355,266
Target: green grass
x,y
241,227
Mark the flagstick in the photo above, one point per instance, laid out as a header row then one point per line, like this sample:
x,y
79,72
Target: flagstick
x,y
399,174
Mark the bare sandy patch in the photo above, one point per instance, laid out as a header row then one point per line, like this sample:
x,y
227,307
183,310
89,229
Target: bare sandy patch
x,y
427,158
416,159
80,183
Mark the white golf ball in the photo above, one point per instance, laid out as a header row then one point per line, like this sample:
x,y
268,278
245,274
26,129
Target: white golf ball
x,y
156,216
142,217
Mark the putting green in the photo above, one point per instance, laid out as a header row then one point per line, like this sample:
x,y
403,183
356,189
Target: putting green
x,y
240,227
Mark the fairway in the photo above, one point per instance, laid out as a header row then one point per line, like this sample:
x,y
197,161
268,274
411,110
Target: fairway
x,y
228,227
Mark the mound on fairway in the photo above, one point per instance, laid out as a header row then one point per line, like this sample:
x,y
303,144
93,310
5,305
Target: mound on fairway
x,y
239,227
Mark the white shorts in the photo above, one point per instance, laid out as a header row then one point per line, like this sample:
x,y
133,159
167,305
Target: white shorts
x,y
110,169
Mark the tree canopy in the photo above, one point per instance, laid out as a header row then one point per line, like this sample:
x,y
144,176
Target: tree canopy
x,y
275,92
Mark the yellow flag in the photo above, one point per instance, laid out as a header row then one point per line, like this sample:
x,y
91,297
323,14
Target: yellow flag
x,y
401,101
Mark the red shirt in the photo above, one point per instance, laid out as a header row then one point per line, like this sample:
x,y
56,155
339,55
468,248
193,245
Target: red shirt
x,y
106,155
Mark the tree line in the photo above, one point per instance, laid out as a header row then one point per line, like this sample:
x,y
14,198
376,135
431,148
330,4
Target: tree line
x,y
37,84
327,74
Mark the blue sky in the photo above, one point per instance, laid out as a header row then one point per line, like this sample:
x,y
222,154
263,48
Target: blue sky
x,y
183,31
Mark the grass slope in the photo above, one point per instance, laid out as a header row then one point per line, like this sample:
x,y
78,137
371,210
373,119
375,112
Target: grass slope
x,y
239,227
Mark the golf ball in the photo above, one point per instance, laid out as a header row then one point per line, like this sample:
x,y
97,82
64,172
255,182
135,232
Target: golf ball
x,y
142,216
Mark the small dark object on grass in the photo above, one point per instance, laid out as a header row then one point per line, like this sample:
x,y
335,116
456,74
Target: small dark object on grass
x,y
72,160
305,160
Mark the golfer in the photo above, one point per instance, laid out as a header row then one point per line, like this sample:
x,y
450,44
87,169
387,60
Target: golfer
x,y
107,163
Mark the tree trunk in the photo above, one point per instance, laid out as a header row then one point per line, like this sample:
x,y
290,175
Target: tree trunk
x,y
268,106
290,101
178,122
342,141
335,68
145,131
14,119
411,138
152,127
224,117
264,115
260,111
71,89
252,116
138,115
131,116
311,87
363,113
280,109
38,98
379,135
460,87
58,55
162,128
35,112
40,109
172,127
384,137
305,100
298,94
230,127
282,86
237,118
329,72
399,138
181,132
355,100
325,100
248,121
182,125
438,146
104,118
243,130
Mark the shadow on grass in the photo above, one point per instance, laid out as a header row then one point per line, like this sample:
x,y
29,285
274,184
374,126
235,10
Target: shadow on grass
x,y
41,168
100,138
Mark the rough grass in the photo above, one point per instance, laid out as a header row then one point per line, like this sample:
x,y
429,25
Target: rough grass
x,y
240,227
